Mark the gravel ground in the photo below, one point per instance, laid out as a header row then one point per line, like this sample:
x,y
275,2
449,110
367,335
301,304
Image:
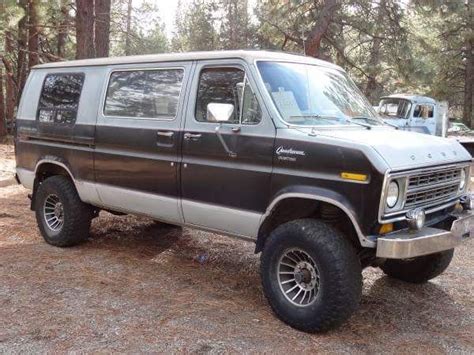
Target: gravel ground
x,y
137,286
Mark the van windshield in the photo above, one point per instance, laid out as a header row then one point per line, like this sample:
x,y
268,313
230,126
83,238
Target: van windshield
x,y
311,95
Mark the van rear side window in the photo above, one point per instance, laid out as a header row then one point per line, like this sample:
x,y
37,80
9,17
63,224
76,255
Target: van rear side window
x,y
144,93
59,100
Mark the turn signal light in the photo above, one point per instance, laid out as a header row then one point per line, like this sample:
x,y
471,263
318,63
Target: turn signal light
x,y
354,176
386,228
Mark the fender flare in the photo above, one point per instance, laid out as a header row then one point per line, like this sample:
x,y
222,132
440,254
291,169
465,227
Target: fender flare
x,y
317,194
86,190
53,161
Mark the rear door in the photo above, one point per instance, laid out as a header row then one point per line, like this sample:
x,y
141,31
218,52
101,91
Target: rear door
x,y
137,139
226,167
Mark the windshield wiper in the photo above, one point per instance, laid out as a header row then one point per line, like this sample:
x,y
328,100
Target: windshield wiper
x,y
382,122
391,125
327,118
366,125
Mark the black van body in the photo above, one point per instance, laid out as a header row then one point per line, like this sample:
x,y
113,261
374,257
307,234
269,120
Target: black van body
x,y
228,142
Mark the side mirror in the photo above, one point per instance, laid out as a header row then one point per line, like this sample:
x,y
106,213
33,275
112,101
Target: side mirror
x,y
217,112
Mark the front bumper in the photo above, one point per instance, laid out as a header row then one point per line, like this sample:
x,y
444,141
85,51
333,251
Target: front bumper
x,y
409,244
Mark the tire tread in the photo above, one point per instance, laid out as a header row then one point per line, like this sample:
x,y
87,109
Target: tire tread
x,y
345,273
76,226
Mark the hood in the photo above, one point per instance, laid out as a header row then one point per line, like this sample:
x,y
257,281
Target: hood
x,y
402,149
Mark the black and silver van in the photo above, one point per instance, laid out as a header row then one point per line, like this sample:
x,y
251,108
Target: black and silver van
x,y
279,149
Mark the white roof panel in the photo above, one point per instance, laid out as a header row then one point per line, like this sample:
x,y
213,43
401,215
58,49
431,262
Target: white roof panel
x,y
248,55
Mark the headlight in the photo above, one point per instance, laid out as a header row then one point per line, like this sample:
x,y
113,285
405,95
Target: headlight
x,y
462,183
392,194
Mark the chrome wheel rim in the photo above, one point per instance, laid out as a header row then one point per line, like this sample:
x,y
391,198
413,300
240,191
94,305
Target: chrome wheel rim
x,y
298,277
53,212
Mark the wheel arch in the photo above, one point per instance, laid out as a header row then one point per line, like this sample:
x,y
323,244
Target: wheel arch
x,y
46,168
309,200
49,167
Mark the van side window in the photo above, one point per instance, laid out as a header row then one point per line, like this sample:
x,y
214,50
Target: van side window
x,y
144,93
227,85
59,100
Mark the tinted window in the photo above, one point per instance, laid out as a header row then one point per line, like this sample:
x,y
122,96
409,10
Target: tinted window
x,y
226,85
59,100
144,93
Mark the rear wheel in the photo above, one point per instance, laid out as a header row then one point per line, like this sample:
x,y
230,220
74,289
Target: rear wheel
x,y
63,219
420,269
311,275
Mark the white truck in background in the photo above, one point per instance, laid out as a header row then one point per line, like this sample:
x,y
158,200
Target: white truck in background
x,y
420,114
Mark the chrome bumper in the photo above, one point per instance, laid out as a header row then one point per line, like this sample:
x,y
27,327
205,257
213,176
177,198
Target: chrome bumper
x,y
408,244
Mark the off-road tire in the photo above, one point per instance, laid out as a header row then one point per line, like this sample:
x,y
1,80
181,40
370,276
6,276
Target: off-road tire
x,y
339,270
420,269
77,214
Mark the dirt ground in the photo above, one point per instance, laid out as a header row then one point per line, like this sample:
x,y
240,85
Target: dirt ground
x,y
7,164
136,286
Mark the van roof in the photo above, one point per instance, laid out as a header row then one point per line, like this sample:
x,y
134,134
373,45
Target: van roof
x,y
247,55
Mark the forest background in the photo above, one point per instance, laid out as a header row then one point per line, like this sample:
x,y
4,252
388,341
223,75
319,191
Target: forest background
x,y
422,47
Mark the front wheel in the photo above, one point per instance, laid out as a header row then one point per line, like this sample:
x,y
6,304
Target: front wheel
x,y
63,219
420,269
311,275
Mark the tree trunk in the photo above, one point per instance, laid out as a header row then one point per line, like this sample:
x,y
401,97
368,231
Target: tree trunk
x,y
102,27
33,34
468,113
3,126
62,30
10,85
374,59
22,68
129,28
316,35
246,23
232,22
84,29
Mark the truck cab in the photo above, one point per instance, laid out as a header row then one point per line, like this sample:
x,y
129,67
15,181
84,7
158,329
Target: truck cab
x,y
414,113
278,149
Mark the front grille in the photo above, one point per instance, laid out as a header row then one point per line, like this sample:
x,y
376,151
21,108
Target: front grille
x,y
434,178
427,188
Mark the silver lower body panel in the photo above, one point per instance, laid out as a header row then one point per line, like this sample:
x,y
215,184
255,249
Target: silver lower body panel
x,y
409,244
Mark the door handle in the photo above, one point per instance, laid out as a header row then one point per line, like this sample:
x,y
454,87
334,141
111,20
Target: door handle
x,y
192,136
168,134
